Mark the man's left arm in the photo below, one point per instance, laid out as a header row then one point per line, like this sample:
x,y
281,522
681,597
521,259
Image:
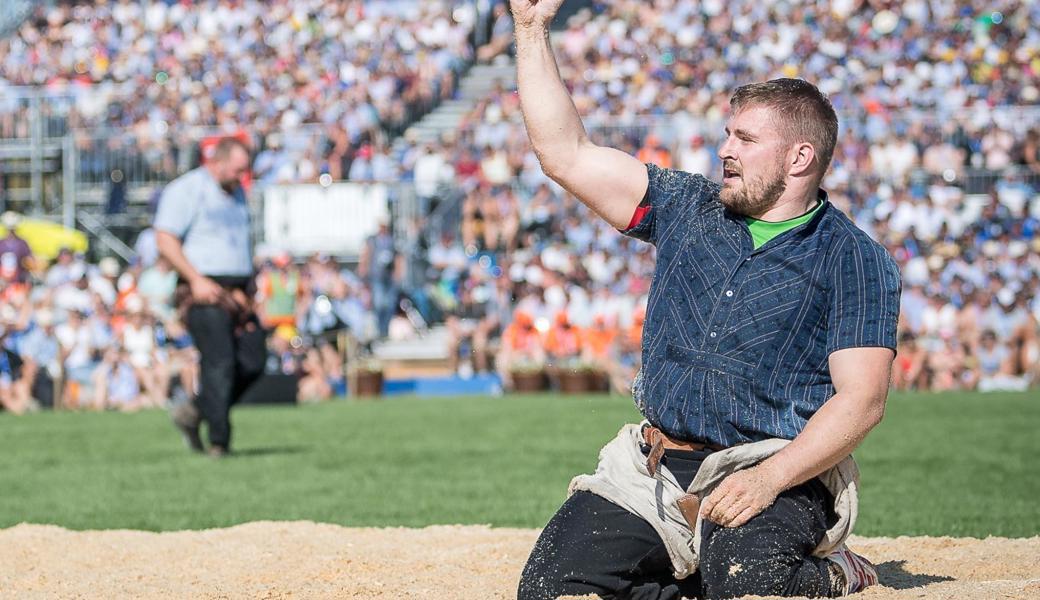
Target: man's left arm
x,y
861,380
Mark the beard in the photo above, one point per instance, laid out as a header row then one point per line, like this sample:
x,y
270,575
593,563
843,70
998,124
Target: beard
x,y
230,186
751,198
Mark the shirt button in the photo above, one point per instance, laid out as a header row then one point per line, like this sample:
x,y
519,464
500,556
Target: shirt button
x,y
712,334
729,293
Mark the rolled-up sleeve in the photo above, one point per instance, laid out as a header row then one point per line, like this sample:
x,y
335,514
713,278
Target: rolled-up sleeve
x,y
663,186
668,193
864,310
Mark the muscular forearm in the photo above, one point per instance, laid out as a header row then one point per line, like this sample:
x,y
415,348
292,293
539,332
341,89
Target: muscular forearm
x,y
829,436
552,120
170,248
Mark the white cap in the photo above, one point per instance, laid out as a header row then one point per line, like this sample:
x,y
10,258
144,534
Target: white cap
x,y
134,304
10,219
44,317
77,271
108,266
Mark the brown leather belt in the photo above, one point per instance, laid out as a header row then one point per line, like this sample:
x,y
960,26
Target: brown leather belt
x,y
659,442
689,504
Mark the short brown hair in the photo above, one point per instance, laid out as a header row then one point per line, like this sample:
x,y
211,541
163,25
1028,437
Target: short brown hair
x,y
222,149
804,114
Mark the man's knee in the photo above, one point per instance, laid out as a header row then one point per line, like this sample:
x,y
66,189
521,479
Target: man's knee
x,y
770,555
540,579
737,562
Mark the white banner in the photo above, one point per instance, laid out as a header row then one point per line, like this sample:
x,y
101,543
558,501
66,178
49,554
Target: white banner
x,y
335,220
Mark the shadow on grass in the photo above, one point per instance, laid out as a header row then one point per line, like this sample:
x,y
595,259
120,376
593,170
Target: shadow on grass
x,y
893,574
269,450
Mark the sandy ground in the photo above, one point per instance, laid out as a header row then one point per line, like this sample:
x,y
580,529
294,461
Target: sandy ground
x,y
309,560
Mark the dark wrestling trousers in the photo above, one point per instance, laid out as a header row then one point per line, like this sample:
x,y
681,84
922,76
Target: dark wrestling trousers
x,y
592,546
227,365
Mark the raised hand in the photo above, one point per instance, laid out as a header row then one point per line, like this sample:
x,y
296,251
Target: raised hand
x,y
534,13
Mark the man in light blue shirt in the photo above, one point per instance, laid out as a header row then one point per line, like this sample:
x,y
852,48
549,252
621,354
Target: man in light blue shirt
x,y
202,228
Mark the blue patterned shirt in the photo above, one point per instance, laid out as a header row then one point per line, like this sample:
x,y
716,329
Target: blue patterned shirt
x,y
737,340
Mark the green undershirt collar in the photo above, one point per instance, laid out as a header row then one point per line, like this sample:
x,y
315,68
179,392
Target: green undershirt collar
x,y
763,231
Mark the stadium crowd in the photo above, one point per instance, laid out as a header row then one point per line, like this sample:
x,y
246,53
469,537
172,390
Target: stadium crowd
x,y
938,158
144,77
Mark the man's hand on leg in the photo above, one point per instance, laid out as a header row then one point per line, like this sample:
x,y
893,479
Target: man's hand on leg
x,y
740,497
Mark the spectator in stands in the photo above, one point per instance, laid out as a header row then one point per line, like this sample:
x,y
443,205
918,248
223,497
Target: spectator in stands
x,y
909,372
625,356
696,158
994,360
653,151
102,281
501,220
431,171
278,288
314,384
115,383
63,269
597,343
471,325
16,258
77,350
40,353
522,348
501,34
157,286
1031,155
381,268
563,342
149,365
15,381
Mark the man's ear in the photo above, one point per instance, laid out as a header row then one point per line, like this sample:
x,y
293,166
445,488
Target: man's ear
x,y
800,159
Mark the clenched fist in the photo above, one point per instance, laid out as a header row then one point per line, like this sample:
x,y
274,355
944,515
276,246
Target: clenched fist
x,y
534,13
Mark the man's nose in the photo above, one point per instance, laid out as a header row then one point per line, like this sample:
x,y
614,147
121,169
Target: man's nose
x,y
726,149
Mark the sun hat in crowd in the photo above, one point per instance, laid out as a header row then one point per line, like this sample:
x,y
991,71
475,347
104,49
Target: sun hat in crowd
x,y
10,219
108,266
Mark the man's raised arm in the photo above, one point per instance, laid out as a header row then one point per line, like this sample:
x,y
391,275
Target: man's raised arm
x,y
608,181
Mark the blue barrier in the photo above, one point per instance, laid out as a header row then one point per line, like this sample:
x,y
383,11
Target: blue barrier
x,y
478,385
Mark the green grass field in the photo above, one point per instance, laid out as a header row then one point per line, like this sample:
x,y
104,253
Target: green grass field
x,y
953,464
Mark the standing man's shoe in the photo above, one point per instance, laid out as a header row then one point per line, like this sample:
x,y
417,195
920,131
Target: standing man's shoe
x,y
218,452
186,418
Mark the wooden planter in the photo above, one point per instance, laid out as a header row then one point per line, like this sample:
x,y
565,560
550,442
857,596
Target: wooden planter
x,y
368,384
600,381
529,381
575,381
581,381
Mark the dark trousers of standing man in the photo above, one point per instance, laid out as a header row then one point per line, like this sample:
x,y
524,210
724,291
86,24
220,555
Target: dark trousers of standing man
x,y
222,376
592,546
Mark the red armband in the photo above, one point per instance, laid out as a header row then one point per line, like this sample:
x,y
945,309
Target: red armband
x,y
637,217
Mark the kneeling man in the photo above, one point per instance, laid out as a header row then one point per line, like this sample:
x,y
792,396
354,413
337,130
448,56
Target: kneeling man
x,y
767,352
